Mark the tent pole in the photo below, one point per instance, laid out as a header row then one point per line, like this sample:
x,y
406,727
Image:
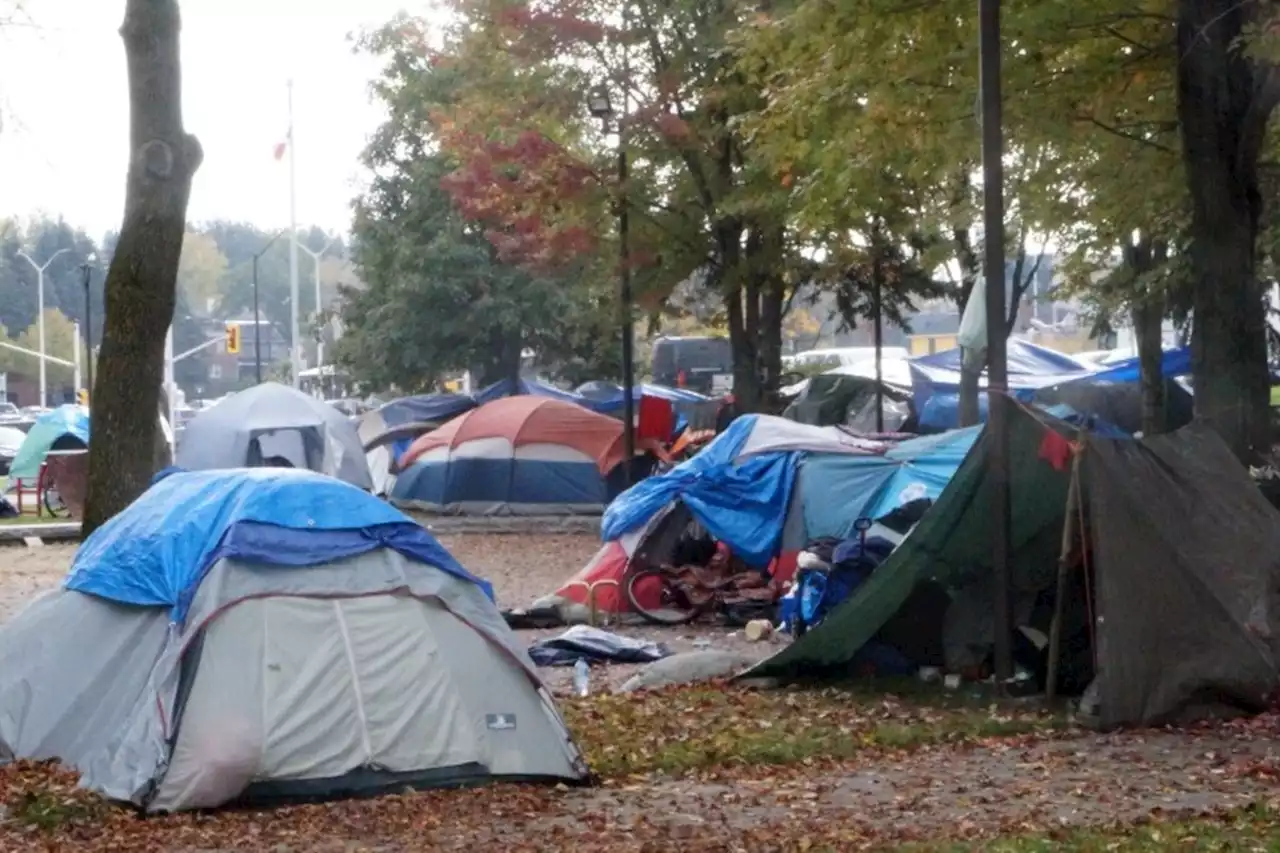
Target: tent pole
x,y
1064,569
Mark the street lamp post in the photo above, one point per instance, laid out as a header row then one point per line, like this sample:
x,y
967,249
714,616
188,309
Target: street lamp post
x,y
315,257
257,318
86,273
44,380
600,106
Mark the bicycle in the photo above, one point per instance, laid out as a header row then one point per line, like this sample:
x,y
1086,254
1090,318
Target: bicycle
x,y
683,594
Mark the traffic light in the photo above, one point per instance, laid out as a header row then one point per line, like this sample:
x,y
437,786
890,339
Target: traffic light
x,y
82,397
233,338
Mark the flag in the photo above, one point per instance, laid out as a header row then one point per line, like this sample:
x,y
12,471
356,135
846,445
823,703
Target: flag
x,y
281,147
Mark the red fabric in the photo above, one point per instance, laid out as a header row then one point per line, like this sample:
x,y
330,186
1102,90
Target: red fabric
x,y
1055,450
657,419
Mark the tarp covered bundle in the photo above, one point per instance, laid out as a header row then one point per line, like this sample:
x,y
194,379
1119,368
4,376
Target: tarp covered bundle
x,y
765,487
275,422
514,456
293,638
1185,552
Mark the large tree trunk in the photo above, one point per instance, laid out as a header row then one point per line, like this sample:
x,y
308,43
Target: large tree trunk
x,y
140,287
1224,103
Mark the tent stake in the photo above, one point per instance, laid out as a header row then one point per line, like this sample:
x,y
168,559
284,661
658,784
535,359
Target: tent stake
x,y
1064,568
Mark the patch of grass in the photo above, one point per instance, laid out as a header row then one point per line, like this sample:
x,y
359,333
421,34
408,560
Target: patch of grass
x,y
54,810
693,728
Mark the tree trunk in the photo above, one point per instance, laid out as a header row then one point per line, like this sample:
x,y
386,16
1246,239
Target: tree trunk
x,y
1224,103
972,363
140,286
1147,310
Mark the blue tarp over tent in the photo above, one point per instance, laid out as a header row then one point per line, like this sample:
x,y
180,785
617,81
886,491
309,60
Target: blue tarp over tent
x,y
157,551
837,489
534,387
742,505
745,503
1025,359
607,397
936,378
425,407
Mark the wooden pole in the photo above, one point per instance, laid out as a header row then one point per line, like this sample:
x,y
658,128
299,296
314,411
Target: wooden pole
x,y
1064,568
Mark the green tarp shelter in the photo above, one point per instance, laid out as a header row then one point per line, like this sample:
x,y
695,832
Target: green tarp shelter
x,y
1185,556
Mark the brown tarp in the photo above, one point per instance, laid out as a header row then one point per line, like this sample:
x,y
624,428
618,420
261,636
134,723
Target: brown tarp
x,y
1187,554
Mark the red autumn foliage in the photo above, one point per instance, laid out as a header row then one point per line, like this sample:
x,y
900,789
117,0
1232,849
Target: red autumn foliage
x,y
520,189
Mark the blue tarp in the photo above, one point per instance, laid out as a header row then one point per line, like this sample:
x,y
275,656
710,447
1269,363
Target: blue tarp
x,y
157,551
606,397
533,387
1090,423
936,378
1174,363
1025,359
425,407
837,489
744,505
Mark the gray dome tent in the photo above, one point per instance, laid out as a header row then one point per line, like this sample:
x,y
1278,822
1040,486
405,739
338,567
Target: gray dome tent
x,y
259,636
274,422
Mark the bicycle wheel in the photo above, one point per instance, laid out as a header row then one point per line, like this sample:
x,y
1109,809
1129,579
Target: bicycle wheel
x,y
55,505
657,596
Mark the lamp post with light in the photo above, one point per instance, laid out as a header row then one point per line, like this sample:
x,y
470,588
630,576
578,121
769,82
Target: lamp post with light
x,y
600,106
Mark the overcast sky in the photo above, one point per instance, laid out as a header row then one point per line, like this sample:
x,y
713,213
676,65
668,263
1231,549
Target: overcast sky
x,y
63,99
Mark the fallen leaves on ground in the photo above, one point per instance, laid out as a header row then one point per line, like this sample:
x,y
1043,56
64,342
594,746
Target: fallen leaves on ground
x,y
721,726
976,776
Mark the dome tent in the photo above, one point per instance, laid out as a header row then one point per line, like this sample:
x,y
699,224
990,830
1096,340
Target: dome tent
x,y
271,420
249,636
521,455
63,428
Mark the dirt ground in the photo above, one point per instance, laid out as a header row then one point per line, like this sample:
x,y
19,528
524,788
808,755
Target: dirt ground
x,y
521,567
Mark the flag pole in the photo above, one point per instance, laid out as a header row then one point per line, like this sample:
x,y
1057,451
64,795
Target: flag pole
x,y
294,360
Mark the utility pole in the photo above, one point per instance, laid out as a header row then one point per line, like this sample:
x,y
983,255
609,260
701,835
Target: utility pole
x,y
44,377
257,315
997,350
315,257
295,360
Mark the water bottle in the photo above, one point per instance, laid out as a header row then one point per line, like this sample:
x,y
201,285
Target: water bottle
x,y
581,677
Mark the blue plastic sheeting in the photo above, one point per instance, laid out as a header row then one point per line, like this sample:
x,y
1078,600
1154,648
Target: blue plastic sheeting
x,y
942,411
1089,423
1174,363
533,387
69,420
837,489
425,407
157,551
743,505
606,397
1025,359
517,481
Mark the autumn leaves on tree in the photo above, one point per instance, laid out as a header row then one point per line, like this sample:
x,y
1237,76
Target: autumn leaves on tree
x,y
774,148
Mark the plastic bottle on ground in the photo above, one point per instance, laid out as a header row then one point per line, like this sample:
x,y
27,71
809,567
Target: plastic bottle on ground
x,y
582,678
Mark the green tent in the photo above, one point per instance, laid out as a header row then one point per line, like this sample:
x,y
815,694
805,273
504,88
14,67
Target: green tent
x,y
1185,557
